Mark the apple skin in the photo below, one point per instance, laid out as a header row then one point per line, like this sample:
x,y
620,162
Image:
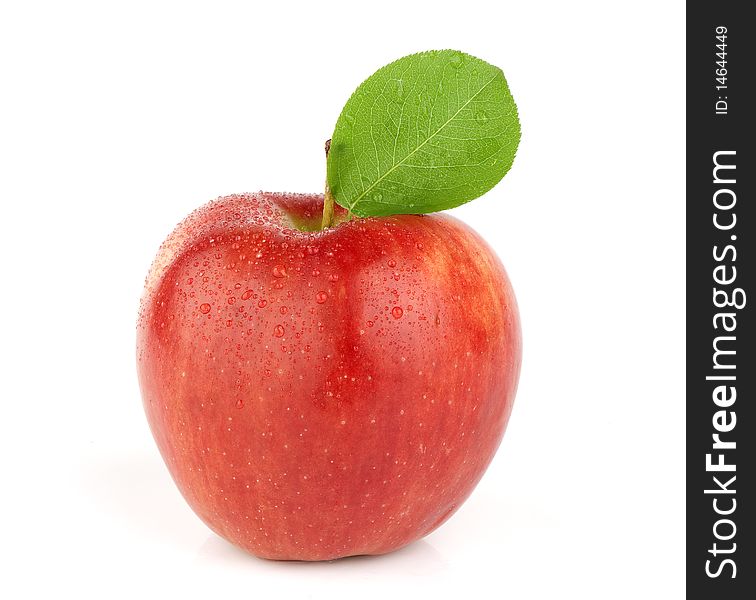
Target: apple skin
x,y
329,393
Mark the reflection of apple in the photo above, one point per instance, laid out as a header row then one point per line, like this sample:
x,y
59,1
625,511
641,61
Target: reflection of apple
x,y
318,394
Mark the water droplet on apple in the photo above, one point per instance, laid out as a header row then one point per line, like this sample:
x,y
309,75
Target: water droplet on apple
x,y
370,323
204,308
231,300
283,310
397,312
247,295
262,303
278,331
321,297
240,403
392,263
279,271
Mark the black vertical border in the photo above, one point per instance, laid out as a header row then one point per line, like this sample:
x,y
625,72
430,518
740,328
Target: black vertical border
x,y
707,133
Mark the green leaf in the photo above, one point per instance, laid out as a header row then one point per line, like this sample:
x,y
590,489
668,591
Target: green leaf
x,y
428,132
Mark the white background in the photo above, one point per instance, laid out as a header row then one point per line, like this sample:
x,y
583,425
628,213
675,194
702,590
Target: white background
x,y
116,121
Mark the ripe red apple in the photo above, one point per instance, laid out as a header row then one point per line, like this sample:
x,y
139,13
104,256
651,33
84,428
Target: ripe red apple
x,y
319,394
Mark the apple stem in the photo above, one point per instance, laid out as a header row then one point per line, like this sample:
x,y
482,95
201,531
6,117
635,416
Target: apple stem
x,y
327,208
327,197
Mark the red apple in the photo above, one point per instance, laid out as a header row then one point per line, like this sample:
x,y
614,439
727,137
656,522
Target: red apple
x,y
319,394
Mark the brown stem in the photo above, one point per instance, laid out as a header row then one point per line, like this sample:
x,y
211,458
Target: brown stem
x,y
327,197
